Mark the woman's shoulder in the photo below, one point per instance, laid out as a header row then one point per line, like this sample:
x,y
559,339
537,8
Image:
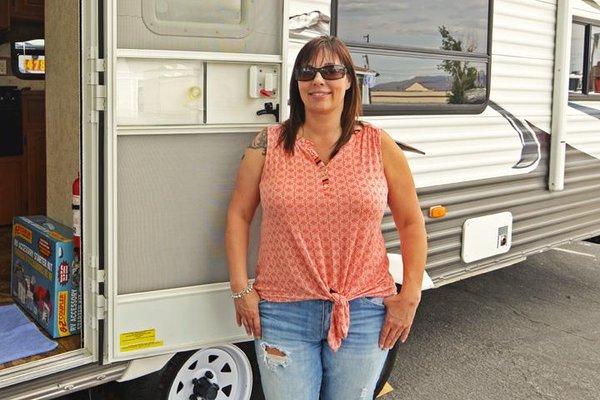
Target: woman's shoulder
x,y
274,130
378,135
368,128
269,133
276,127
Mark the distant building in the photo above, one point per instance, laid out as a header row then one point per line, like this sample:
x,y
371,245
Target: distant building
x,y
417,90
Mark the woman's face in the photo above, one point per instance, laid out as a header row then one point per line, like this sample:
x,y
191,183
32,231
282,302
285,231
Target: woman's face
x,y
320,95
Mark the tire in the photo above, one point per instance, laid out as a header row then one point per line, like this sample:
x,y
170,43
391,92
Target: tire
x,y
174,382
388,366
248,348
139,389
595,239
387,369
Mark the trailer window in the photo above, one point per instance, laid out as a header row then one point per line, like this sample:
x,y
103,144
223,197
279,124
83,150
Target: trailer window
x,y
415,82
410,59
584,65
211,11
594,57
576,65
206,18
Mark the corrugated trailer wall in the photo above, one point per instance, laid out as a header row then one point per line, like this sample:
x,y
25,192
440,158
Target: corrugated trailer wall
x,y
541,219
521,84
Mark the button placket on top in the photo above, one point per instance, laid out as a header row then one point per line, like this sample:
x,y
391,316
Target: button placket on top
x,y
324,176
329,192
323,171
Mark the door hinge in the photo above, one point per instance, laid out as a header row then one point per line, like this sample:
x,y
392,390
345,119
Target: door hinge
x,y
98,64
99,99
100,307
98,89
100,298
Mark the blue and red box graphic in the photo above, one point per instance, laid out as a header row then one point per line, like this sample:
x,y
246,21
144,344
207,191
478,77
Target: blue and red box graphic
x,y
44,279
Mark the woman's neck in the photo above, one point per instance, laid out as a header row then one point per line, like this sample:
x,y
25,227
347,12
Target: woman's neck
x,y
323,129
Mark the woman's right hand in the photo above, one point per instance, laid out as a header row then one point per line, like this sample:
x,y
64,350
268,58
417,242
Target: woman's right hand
x,y
246,312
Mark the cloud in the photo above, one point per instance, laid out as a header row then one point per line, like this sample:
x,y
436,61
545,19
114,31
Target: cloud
x,y
412,23
371,6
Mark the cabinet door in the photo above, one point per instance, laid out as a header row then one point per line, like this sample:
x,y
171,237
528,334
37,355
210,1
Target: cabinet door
x,y
4,15
10,189
35,158
33,108
34,132
31,10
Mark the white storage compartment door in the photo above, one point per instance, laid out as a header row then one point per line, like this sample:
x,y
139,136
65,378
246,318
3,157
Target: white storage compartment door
x,y
184,82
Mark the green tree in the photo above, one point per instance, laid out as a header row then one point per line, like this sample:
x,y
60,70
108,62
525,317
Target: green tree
x,y
463,75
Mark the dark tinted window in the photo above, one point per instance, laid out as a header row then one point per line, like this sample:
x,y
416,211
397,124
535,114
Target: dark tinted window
x,y
576,65
594,75
413,23
584,63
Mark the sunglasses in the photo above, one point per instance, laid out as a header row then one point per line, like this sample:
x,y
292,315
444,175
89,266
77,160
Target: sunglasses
x,y
329,72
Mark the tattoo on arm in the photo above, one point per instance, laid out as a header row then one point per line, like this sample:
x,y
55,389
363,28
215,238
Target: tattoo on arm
x,y
260,142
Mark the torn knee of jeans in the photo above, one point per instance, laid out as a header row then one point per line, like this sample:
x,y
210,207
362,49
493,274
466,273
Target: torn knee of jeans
x,y
274,356
364,394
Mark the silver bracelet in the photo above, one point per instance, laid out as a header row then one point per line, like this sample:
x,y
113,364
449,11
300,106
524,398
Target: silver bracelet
x,y
243,292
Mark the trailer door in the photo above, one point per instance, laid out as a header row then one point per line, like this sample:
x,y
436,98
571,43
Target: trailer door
x,y
184,82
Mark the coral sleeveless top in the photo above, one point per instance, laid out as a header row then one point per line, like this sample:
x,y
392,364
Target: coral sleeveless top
x,y
321,233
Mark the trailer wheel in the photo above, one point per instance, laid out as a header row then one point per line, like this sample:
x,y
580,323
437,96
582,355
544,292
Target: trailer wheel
x,y
595,239
388,366
142,388
387,369
214,373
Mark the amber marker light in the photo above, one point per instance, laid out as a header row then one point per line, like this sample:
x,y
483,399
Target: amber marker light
x,y
437,211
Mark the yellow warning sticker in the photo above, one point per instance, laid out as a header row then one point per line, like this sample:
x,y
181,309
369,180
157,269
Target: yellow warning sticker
x,y
132,341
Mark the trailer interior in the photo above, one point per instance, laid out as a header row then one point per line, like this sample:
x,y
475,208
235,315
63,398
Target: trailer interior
x,y
39,162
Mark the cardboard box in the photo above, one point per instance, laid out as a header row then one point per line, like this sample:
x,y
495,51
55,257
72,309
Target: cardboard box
x,y
44,279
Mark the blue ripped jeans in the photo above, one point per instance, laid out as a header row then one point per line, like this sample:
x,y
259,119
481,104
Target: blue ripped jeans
x,y
309,369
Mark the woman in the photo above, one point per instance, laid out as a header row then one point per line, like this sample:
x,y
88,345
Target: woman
x,y
324,309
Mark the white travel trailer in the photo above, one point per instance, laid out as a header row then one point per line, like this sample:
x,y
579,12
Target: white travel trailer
x,y
493,101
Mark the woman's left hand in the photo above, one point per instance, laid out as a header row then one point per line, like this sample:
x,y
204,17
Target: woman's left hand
x,y
400,312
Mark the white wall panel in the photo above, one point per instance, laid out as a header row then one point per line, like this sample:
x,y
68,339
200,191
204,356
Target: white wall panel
x,y
524,28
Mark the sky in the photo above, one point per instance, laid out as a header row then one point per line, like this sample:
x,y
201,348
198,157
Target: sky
x,y
411,23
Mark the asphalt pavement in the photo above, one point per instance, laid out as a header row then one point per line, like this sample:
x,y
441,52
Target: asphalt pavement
x,y
527,331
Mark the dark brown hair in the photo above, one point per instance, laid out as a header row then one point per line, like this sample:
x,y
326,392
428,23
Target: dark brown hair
x,y
352,101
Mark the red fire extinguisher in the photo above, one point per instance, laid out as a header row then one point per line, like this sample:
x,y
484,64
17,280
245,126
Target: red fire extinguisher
x,y
76,216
